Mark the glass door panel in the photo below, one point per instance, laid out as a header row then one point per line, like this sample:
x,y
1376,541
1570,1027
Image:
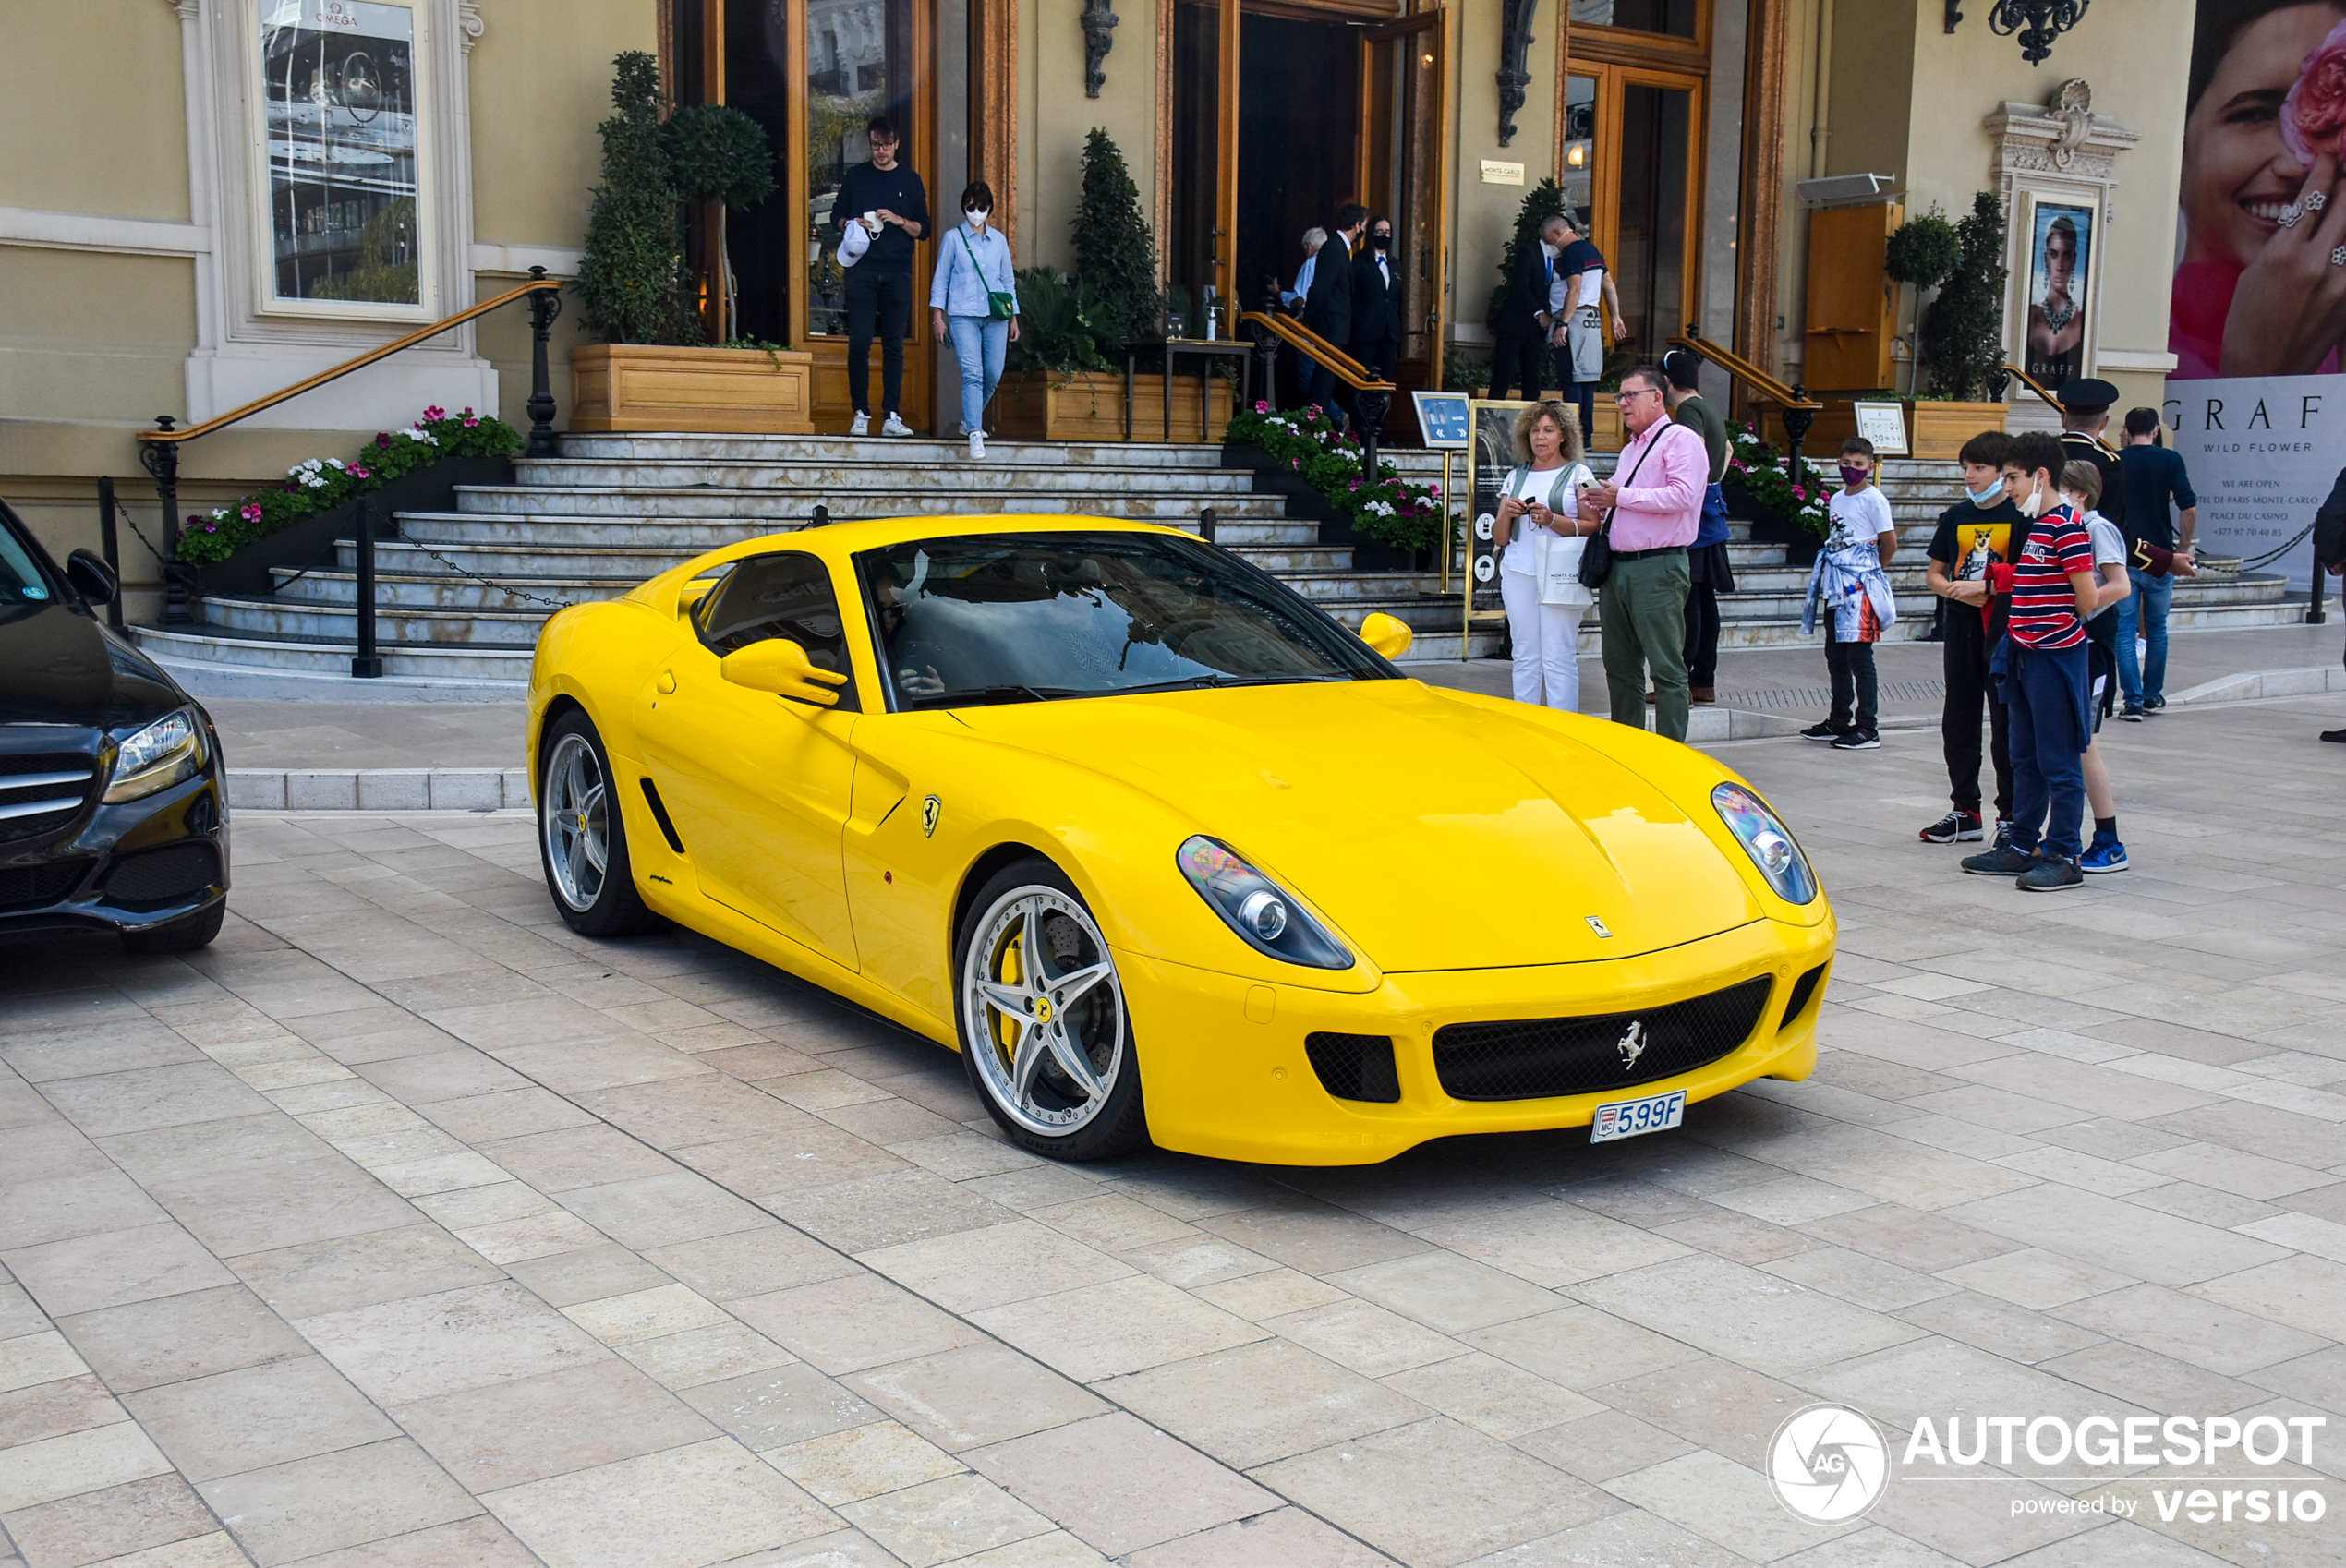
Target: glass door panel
x,y
859,62
1404,166
1651,215
1190,258
1579,162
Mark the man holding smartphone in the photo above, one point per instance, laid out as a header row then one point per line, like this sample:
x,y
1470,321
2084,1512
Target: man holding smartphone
x,y
890,202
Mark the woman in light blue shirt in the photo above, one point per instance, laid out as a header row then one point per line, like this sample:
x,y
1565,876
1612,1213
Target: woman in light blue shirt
x,y
973,266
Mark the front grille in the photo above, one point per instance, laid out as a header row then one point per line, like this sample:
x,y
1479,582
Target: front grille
x,y
42,791
30,886
161,875
1533,1059
1355,1067
1802,989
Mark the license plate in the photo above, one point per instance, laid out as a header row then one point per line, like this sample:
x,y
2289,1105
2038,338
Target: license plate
x,y
1631,1118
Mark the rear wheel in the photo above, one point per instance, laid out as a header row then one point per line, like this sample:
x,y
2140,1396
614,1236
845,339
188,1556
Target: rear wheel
x,y
1045,1035
582,841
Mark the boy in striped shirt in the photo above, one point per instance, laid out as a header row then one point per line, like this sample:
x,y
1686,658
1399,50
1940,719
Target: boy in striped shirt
x,y
2040,673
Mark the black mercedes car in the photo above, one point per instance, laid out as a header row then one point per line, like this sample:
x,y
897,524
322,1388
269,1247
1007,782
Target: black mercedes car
x,y
114,811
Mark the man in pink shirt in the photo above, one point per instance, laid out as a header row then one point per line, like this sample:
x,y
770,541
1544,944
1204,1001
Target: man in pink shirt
x,y
1657,509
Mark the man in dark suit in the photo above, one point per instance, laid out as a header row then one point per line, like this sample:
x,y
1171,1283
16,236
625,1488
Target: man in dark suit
x,y
1327,310
1376,302
1520,354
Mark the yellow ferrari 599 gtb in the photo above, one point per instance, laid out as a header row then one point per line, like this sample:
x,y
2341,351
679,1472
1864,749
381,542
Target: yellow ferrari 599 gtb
x,y
1164,851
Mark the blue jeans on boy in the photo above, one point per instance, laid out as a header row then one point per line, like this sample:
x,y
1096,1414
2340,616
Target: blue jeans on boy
x,y
2046,693
979,342
2145,608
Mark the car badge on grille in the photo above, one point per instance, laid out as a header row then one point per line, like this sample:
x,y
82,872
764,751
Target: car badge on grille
x,y
1597,925
931,809
1633,1045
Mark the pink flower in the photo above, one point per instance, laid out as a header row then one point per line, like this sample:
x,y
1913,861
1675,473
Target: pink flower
x,y
435,412
1261,407
470,423
356,472
250,511
1799,494
2313,114
382,437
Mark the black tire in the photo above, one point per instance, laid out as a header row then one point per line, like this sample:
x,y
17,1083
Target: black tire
x,y
592,899
1113,1123
180,935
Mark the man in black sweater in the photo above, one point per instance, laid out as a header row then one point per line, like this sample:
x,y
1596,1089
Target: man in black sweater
x,y
889,200
1327,310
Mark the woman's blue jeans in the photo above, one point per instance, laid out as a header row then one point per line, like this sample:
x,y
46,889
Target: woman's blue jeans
x,y
979,342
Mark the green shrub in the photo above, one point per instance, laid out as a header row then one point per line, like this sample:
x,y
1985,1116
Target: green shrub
x,y
1925,251
717,153
1115,254
1962,334
1057,325
322,483
633,280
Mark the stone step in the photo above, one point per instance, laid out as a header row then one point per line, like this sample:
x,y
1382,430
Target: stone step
x,y
639,474
413,590
849,505
208,648
624,564
667,447
410,626
687,537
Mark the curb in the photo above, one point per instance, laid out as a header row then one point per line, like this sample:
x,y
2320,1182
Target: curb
x,y
2260,684
379,789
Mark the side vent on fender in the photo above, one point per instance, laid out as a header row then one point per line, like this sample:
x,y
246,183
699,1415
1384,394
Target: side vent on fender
x,y
659,815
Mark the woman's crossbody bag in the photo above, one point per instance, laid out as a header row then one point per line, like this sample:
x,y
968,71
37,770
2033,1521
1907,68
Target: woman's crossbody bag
x,y
1000,304
1556,560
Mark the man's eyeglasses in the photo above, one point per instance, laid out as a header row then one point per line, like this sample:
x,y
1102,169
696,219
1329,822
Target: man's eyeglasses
x,y
1631,394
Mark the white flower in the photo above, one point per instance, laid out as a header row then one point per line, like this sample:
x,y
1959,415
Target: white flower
x,y
418,433
334,462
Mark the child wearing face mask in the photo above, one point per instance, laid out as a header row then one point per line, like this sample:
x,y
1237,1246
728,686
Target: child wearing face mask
x,y
1850,593
973,300
1983,527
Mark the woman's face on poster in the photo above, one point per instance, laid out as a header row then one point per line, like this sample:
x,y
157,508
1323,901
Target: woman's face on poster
x,y
2061,259
2237,174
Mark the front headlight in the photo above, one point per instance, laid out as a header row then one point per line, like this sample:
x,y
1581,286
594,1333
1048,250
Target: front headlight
x,y
1258,909
155,759
1768,842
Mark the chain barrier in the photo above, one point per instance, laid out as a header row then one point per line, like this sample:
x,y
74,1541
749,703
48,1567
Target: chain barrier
x,y
2270,556
402,534
124,513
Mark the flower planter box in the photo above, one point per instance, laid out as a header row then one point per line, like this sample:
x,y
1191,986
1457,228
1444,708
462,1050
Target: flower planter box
x,y
1934,429
309,542
756,392
1088,406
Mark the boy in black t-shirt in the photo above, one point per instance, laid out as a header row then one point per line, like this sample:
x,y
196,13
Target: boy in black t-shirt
x,y
1983,527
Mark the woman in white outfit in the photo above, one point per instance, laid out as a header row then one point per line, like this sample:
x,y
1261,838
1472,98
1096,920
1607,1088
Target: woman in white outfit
x,y
1539,531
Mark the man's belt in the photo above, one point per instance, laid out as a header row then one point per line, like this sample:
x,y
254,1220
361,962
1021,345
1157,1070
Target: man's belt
x,y
1641,554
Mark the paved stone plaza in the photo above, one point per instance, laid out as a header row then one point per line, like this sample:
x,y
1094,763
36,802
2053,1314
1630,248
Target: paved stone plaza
x,y
402,1227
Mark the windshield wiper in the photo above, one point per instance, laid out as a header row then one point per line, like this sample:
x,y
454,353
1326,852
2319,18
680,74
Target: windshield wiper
x,y
1223,677
1007,693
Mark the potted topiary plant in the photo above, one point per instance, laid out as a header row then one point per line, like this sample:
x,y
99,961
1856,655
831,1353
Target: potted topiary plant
x,y
1962,337
1067,380
653,372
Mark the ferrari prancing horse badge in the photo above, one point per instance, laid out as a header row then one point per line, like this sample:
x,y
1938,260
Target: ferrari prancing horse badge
x,y
930,808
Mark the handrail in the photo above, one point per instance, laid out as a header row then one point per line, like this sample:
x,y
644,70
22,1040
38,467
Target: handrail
x,y
158,448
1348,370
1743,369
2030,382
537,284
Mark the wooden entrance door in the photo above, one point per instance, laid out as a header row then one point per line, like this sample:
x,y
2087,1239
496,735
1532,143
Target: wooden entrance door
x,y
1632,165
1404,158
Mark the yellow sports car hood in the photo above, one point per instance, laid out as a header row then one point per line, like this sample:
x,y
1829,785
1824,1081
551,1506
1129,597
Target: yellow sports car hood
x,y
1436,834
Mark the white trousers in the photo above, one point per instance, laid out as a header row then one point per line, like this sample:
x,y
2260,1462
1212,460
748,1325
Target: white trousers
x,y
1547,642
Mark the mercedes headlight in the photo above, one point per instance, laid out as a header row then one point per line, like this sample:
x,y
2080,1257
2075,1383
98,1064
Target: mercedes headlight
x,y
157,757
1768,842
1258,909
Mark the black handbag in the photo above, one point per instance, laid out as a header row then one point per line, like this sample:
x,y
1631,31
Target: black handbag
x,y
1596,555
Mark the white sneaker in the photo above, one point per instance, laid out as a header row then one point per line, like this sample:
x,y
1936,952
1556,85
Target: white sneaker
x,y
895,426
977,446
860,426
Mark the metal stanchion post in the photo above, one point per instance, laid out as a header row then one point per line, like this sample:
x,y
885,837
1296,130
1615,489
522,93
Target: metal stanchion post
x,y
367,664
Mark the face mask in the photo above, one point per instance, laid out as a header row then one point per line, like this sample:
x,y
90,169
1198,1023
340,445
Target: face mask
x,y
1383,242
1853,475
2034,506
1981,498
977,216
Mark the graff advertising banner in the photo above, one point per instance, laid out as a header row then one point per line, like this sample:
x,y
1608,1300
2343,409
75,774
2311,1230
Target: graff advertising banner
x,y
2257,396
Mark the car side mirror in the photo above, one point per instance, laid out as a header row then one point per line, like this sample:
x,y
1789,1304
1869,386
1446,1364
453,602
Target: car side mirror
x,y
1388,634
91,578
781,667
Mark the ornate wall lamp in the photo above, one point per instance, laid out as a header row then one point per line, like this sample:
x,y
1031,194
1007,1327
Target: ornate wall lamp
x,y
1514,45
2038,22
1099,37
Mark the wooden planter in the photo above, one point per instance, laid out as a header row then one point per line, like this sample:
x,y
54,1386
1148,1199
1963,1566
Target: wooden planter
x,y
1939,430
1043,406
723,391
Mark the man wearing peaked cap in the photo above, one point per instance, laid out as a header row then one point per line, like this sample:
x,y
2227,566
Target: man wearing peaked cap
x,y
2084,414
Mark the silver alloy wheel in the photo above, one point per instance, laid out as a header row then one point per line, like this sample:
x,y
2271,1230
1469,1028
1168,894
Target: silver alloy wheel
x,y
573,808
1048,1037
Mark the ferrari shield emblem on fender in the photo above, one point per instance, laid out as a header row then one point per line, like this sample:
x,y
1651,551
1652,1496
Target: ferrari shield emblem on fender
x,y
1597,925
931,809
1633,1045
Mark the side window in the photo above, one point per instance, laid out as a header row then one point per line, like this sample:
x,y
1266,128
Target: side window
x,y
787,594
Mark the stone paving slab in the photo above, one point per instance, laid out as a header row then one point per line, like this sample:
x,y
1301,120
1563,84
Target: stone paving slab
x,y
402,1227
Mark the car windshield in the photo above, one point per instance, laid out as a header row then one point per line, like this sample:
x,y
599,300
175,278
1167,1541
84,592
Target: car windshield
x,y
21,580
1038,617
